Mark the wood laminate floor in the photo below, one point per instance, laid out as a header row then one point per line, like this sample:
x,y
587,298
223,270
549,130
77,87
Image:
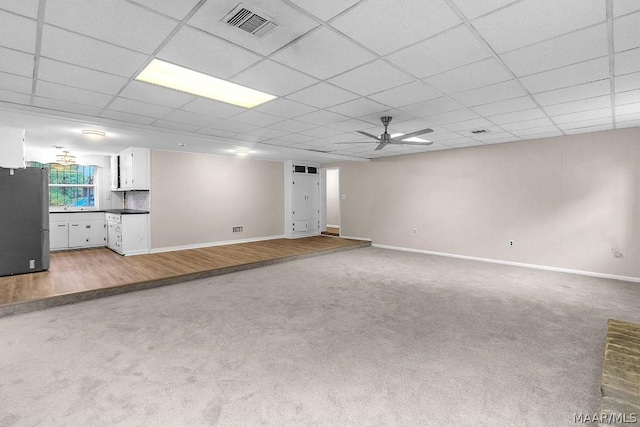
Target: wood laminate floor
x,y
79,275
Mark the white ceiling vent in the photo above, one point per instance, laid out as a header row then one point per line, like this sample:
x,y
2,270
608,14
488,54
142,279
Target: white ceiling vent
x,y
256,23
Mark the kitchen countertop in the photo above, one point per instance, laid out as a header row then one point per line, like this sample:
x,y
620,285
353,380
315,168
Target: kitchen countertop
x,y
126,211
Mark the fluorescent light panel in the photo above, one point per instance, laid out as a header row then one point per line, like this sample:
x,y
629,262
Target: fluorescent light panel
x,y
179,78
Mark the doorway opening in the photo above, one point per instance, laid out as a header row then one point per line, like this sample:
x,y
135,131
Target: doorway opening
x,y
332,202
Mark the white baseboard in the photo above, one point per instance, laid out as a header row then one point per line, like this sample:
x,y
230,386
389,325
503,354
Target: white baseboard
x,y
516,264
333,225
356,238
210,244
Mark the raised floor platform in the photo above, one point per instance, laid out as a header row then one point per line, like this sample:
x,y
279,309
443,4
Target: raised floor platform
x,y
81,275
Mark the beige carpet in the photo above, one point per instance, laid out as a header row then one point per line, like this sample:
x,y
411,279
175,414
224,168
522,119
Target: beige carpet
x,y
365,337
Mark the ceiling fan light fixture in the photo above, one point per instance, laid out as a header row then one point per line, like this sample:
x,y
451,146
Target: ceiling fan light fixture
x,y
66,158
94,133
174,77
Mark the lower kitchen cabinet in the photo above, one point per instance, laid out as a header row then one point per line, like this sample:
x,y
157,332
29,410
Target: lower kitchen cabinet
x,y
77,230
128,234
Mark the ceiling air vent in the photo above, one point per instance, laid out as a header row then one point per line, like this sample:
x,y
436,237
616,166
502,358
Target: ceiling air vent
x,y
480,131
247,20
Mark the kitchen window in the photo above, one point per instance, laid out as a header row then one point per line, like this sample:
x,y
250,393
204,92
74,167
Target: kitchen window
x,y
70,186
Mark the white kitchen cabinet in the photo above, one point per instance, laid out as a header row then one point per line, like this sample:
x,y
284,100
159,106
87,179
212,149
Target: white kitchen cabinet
x,y
77,230
128,234
302,200
134,169
12,148
115,173
58,235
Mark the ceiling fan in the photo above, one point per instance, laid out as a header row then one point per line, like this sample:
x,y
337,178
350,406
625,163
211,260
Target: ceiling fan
x,y
386,139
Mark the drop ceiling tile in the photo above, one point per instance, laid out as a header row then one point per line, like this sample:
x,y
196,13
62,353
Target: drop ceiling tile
x,y
371,78
586,123
218,133
501,91
71,94
321,117
474,8
588,71
550,134
451,49
350,125
627,124
174,125
17,32
296,138
579,46
153,94
22,7
585,115
187,117
210,107
531,21
292,24
629,97
85,78
267,133
257,118
325,9
207,54
577,106
517,116
70,107
405,95
527,132
622,7
493,136
15,62
322,95
516,127
464,142
79,50
398,116
14,97
358,107
432,107
292,126
175,9
627,109
115,21
316,54
321,132
507,106
273,78
574,93
407,24
624,119
626,32
14,83
588,129
627,62
472,76
471,124
127,117
284,108
131,106
453,117
627,82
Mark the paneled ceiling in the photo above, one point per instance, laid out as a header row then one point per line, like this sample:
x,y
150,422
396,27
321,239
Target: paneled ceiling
x,y
517,69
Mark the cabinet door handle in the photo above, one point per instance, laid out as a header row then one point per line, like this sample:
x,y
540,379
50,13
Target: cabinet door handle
x,y
62,225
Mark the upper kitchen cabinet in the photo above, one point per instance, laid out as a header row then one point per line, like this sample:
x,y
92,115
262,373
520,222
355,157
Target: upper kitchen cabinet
x,y
130,170
11,148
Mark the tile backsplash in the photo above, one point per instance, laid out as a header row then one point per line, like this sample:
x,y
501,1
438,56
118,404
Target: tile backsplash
x,y
136,200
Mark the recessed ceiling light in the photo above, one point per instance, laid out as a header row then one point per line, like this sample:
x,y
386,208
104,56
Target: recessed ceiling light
x,y
242,152
93,133
179,78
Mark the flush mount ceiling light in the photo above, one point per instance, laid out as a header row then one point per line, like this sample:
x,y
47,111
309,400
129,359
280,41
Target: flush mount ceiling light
x,y
179,78
242,152
65,158
93,133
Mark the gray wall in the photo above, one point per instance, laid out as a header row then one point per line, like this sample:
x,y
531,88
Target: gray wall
x,y
333,197
567,202
198,198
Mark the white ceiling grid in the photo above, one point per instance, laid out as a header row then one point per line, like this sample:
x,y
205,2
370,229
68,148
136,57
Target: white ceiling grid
x,y
520,69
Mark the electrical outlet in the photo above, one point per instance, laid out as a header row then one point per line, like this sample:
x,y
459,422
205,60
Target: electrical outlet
x,y
510,242
415,231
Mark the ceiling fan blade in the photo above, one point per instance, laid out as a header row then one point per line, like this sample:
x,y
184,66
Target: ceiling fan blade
x,y
369,135
380,146
357,142
412,143
412,134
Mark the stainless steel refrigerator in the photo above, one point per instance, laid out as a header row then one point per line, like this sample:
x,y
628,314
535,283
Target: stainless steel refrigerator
x,y
24,220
